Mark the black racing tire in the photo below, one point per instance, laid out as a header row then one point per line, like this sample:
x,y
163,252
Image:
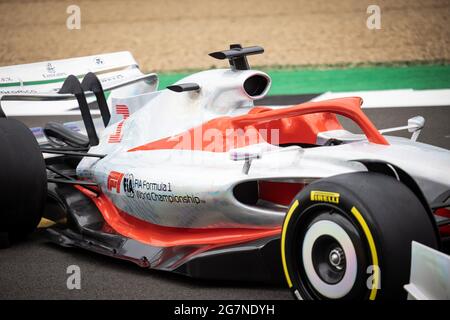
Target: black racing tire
x,y
23,180
349,237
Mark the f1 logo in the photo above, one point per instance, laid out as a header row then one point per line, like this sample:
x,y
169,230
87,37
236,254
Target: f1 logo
x,y
114,181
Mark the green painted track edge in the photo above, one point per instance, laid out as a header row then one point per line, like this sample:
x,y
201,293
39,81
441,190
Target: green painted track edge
x,y
300,81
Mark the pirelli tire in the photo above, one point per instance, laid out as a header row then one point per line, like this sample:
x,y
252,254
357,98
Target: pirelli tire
x,y
349,237
23,180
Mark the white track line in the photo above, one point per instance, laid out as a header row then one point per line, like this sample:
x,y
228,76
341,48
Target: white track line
x,y
403,98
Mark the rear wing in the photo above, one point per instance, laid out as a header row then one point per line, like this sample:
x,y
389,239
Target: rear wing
x,y
31,89
74,90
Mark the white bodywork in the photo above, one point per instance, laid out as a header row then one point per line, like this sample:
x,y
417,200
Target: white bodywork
x,y
191,188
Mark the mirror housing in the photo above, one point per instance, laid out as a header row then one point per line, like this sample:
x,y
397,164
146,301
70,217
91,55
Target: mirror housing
x,y
247,154
416,123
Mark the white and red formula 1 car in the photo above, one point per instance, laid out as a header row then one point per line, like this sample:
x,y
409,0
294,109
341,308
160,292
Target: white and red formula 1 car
x,y
196,180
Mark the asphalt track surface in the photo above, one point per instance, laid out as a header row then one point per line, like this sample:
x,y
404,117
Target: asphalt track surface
x,y
36,269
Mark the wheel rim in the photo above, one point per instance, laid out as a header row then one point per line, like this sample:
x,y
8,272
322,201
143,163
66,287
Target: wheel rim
x,y
329,259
